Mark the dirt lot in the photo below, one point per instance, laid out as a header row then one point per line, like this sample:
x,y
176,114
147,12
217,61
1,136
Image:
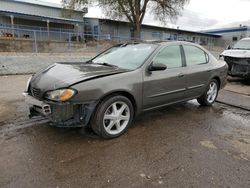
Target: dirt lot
x,y
184,145
238,85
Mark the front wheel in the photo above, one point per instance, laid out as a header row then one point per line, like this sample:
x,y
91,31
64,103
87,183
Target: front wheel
x,y
112,117
209,97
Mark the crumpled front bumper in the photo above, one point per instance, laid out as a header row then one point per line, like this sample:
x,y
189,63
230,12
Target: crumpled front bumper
x,y
38,106
238,66
64,114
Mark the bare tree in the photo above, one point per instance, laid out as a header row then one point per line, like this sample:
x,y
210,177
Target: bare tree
x,y
134,10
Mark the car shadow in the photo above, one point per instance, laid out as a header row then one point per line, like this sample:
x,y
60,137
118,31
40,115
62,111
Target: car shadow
x,y
243,81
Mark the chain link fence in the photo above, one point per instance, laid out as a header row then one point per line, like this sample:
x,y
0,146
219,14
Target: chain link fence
x,y
14,39
42,40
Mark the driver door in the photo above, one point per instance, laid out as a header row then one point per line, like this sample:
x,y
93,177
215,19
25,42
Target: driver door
x,y
164,87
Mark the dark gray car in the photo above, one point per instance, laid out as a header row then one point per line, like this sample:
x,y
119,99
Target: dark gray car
x,y
107,92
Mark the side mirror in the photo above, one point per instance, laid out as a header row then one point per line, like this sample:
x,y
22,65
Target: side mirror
x,y
229,47
157,67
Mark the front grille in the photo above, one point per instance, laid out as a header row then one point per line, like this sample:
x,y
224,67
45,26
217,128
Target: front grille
x,y
240,65
35,92
239,69
235,60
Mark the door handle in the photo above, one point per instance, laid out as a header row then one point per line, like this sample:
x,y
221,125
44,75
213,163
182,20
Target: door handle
x,y
181,75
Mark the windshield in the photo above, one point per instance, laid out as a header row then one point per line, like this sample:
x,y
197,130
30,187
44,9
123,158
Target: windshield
x,y
127,56
242,45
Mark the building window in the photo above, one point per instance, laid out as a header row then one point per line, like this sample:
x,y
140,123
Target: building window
x,y
156,34
235,38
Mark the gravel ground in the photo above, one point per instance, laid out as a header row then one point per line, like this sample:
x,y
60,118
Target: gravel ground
x,y
27,63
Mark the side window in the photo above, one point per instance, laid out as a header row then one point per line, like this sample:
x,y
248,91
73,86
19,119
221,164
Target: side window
x,y
194,55
170,56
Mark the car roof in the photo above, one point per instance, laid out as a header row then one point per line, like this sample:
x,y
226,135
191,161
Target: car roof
x,y
245,39
176,42
160,42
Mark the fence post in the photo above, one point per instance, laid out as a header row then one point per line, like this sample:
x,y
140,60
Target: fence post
x,y
60,34
97,44
69,46
35,40
12,26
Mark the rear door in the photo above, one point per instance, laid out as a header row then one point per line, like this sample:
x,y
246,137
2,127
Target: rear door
x,y
168,86
197,70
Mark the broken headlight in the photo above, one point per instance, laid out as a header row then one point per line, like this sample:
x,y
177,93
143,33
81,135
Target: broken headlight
x,y
221,57
60,95
28,84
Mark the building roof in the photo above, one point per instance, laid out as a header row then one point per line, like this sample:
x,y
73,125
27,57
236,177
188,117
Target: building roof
x,y
163,28
37,10
42,3
227,30
37,2
183,31
37,17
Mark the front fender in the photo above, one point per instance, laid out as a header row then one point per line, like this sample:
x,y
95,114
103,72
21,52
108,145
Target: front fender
x,y
97,89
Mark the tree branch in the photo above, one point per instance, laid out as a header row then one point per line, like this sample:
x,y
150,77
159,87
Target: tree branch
x,y
124,11
130,2
143,10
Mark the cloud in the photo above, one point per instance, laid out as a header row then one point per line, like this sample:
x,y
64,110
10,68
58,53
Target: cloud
x,y
189,20
199,15
233,24
194,21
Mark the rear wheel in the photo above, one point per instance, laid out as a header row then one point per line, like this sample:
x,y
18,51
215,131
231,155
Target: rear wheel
x,y
112,117
209,97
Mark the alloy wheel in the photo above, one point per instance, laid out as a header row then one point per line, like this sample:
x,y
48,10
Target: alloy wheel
x,y
116,118
212,92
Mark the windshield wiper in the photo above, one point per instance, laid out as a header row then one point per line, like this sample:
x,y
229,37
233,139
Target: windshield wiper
x,y
107,64
89,61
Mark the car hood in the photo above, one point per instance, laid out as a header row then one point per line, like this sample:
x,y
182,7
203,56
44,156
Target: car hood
x,y
237,53
62,75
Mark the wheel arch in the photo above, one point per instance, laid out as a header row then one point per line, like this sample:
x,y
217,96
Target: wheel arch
x,y
217,78
122,93
95,119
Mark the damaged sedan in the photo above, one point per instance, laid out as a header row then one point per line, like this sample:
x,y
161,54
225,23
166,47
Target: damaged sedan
x,y
108,91
238,59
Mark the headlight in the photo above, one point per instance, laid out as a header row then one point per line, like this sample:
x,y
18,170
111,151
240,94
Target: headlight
x,y
60,95
28,84
221,57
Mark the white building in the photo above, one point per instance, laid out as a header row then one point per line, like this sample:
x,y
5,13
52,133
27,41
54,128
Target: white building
x,y
35,15
42,21
230,36
123,30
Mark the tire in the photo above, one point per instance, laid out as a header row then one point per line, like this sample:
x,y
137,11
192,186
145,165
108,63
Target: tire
x,y
210,95
112,117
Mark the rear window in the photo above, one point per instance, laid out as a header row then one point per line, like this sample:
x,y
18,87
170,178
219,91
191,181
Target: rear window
x,y
195,55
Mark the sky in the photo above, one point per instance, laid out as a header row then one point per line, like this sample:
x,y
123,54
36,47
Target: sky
x,y
199,14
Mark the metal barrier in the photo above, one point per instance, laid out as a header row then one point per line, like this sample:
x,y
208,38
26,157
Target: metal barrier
x,y
37,28
36,36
